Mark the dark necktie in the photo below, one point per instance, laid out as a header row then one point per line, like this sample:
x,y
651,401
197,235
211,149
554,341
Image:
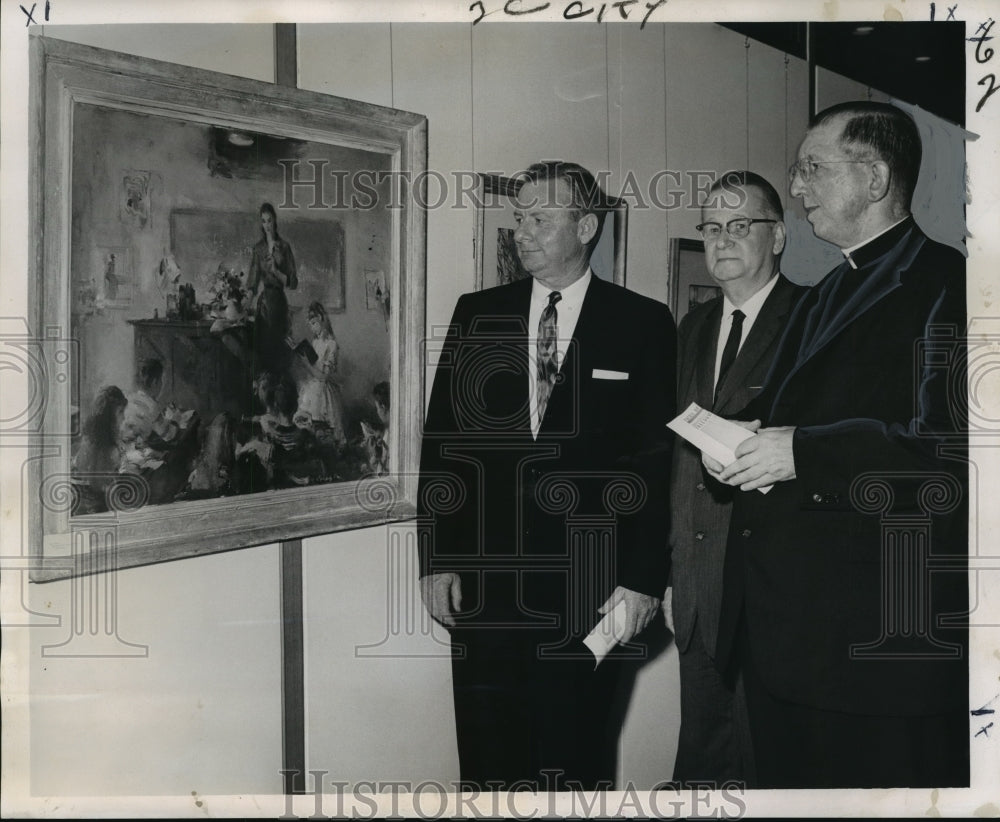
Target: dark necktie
x,y
547,365
729,352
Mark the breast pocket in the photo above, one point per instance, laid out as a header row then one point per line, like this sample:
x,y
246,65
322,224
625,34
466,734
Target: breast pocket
x,y
606,398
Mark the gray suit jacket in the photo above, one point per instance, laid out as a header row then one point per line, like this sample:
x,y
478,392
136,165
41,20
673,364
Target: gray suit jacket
x,y
700,505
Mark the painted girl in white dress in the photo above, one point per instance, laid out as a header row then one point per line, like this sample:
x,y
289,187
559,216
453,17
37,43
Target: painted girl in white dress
x,y
319,391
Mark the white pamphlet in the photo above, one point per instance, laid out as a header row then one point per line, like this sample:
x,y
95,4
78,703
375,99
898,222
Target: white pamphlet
x,y
607,633
711,434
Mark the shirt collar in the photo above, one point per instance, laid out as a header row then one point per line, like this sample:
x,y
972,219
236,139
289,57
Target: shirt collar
x,y
863,253
751,308
571,294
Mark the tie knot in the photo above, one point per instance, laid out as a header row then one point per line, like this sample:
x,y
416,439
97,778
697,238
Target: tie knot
x,y
554,297
738,317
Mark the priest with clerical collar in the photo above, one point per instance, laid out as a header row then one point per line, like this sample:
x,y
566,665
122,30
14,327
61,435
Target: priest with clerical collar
x,y
854,675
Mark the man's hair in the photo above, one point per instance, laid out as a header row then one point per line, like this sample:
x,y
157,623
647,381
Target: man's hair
x,y
586,196
722,188
885,131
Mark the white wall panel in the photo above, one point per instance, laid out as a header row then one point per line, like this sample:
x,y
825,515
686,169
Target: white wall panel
x,y
378,700
767,116
833,88
433,76
201,712
706,111
539,92
636,109
351,60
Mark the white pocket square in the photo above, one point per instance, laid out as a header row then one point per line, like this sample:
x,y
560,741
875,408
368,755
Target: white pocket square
x,y
602,374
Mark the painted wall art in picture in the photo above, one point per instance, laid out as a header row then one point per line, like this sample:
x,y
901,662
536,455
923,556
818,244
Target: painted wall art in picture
x,y
135,197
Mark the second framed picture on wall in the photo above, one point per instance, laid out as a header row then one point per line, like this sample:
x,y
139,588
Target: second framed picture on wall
x,y
690,282
495,251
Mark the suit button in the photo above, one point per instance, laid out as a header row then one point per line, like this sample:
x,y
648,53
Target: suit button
x,y
700,535
746,533
700,486
817,497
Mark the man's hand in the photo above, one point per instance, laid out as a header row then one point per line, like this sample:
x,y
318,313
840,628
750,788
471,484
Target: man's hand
x,y
442,596
639,610
762,460
713,466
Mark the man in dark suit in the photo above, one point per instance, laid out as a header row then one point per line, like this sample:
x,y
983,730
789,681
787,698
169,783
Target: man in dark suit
x,y
845,592
725,347
543,493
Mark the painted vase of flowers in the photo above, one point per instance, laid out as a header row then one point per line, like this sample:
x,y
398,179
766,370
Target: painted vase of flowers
x,y
229,294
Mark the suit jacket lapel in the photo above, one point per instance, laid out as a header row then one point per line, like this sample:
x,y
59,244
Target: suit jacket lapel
x,y
763,334
687,364
884,278
707,342
508,321
522,308
588,329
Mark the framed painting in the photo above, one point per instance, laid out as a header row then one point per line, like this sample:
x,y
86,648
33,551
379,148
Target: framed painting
x,y
698,294
228,293
497,262
690,282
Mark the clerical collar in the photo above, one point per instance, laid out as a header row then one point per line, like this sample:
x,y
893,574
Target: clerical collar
x,y
873,248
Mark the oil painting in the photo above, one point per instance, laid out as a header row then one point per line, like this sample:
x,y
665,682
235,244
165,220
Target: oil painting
x,y
221,276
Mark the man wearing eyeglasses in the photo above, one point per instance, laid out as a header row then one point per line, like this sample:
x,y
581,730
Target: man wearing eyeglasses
x,y
845,585
725,347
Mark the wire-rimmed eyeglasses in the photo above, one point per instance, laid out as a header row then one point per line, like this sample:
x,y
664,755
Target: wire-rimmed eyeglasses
x,y
737,229
806,169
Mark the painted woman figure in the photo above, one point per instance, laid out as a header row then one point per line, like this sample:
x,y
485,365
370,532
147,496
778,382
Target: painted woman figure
x,y
110,279
272,269
319,390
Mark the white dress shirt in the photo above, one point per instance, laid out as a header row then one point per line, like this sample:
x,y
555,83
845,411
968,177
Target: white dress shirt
x,y
567,313
751,309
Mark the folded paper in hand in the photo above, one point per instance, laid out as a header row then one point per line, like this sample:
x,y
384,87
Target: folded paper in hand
x,y
607,633
711,434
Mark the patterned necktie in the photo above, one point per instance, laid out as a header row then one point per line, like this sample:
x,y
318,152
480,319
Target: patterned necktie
x,y
547,365
729,352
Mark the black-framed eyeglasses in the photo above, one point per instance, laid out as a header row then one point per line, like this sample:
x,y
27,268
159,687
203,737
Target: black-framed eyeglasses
x,y
737,229
806,169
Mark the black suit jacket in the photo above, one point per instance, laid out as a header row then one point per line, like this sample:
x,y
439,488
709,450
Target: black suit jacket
x,y
700,506
871,373
541,530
